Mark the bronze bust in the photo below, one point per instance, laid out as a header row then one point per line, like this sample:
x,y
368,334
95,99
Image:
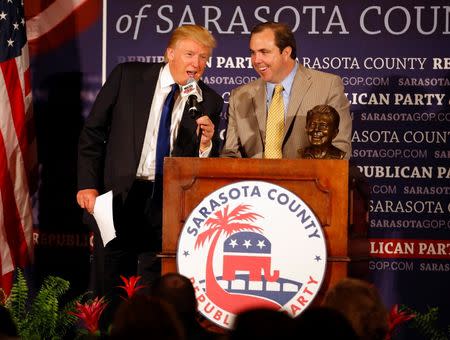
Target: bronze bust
x,y
322,126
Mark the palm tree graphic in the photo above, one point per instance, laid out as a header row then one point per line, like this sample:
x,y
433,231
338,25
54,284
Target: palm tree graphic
x,y
228,223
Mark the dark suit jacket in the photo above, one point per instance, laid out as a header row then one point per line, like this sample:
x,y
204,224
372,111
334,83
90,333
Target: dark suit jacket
x,y
111,141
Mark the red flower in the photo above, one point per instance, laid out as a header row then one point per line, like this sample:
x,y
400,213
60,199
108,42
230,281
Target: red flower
x,y
90,313
131,286
397,317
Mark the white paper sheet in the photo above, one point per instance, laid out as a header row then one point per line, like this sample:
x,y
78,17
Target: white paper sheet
x,y
103,214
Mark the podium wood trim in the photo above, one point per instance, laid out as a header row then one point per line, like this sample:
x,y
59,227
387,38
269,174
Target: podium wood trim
x,y
321,184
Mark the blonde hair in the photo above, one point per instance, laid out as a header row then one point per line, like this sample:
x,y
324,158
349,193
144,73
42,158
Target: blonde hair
x,y
194,32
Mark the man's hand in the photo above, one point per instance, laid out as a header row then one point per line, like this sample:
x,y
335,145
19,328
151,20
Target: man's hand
x,y
86,199
207,128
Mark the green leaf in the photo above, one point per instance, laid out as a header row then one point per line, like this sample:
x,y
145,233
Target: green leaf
x,y
42,317
426,323
17,301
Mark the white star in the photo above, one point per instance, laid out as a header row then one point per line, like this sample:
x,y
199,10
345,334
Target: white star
x,y
247,244
22,21
2,16
10,42
16,26
261,244
10,1
233,243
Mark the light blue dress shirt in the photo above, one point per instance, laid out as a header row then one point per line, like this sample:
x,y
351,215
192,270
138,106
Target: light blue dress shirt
x,y
287,87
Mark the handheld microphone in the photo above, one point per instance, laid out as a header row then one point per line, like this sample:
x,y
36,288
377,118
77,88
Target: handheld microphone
x,y
194,94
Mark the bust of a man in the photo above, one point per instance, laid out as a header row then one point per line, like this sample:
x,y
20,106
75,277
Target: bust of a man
x,y
322,125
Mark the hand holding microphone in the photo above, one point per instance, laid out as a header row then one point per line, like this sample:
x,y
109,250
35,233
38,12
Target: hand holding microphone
x,y
205,129
194,94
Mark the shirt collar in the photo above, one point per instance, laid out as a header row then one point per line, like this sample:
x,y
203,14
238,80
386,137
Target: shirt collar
x,y
286,82
166,77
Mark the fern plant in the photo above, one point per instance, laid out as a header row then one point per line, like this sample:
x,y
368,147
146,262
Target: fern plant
x,y
426,323
41,317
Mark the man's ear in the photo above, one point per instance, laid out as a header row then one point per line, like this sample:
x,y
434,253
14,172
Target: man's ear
x,y
287,51
170,53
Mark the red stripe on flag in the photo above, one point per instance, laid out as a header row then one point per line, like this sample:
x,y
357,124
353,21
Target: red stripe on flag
x,y
21,125
16,101
15,151
13,225
33,8
6,281
26,79
24,128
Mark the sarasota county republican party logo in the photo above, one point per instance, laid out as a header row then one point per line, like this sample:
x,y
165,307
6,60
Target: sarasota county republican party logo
x,y
252,244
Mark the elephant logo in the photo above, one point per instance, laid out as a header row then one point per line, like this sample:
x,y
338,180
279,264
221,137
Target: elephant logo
x,y
248,252
252,244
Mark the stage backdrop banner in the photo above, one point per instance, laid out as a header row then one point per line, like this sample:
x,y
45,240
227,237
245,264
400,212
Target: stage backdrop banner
x,y
395,63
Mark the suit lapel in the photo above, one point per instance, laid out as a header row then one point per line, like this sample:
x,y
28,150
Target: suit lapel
x,y
300,86
259,105
144,91
184,143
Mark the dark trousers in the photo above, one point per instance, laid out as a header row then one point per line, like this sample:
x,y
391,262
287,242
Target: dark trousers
x,y
138,223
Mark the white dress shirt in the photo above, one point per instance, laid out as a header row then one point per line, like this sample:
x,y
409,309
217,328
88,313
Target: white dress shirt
x,y
147,163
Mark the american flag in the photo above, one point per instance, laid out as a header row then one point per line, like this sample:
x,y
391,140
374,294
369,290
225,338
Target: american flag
x,y
49,24
17,144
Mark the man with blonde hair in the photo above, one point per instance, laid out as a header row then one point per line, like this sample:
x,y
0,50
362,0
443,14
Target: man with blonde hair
x,y
137,119
192,32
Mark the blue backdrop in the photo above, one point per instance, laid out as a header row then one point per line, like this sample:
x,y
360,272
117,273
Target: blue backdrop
x,y
394,59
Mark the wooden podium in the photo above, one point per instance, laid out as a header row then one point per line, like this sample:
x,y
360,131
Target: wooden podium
x,y
322,184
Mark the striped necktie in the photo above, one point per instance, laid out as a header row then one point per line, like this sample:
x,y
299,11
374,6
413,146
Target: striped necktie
x,y
275,125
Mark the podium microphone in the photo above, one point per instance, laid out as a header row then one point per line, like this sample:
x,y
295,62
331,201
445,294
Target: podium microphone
x,y
194,94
